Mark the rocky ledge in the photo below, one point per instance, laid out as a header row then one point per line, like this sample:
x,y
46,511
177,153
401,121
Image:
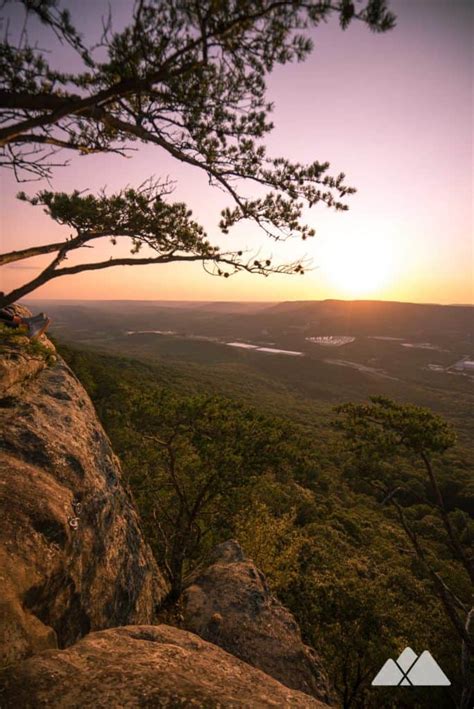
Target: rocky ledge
x,y
144,666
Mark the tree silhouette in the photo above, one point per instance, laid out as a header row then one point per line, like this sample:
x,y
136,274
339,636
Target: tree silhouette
x,y
142,217
186,76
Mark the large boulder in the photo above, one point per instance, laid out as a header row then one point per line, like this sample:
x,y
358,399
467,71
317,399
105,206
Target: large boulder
x,y
72,556
143,666
230,604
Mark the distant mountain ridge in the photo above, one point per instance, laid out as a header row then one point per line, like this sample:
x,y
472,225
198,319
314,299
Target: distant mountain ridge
x,y
250,320
362,316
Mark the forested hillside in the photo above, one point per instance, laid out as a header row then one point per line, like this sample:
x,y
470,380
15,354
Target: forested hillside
x,y
304,491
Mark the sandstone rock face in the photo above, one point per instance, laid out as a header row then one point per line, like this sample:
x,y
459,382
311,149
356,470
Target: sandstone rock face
x,y
72,556
143,666
230,604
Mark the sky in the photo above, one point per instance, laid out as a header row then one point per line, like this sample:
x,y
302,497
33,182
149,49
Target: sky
x,y
392,111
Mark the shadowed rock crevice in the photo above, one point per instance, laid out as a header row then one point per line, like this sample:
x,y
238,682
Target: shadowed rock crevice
x,y
52,529
70,625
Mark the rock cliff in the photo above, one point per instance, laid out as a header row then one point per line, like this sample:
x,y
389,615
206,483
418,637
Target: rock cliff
x,y
72,556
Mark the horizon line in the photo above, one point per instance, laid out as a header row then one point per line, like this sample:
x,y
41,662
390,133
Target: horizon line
x,y
263,302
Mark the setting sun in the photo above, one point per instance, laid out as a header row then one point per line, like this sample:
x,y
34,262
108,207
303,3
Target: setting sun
x,y
358,265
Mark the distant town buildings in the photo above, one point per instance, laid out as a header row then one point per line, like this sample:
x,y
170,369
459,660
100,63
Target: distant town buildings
x,y
465,365
331,340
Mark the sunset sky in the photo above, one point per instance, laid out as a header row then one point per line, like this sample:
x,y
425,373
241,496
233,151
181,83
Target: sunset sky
x,y
393,111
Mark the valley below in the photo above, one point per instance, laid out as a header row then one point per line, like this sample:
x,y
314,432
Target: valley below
x,y
321,351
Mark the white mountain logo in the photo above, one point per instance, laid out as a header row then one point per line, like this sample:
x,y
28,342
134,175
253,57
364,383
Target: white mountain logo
x,y
411,671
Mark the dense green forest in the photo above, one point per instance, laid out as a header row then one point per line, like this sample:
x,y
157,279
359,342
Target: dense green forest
x,y
304,489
